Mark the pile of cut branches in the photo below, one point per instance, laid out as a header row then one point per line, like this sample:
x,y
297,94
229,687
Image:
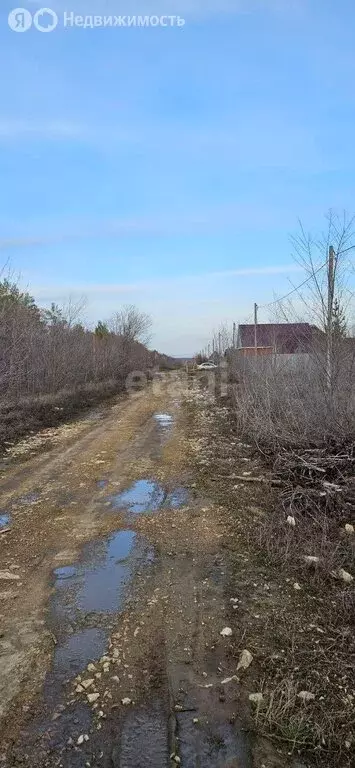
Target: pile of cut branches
x,y
318,479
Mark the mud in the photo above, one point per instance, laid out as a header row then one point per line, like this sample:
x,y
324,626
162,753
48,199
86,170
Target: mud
x,y
151,750
121,588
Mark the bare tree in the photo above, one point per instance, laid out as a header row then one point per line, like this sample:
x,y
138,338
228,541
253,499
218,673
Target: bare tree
x,y
131,324
326,294
313,255
301,398
73,310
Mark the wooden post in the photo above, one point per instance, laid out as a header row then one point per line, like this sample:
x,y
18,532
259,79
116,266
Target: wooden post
x,y
331,285
255,328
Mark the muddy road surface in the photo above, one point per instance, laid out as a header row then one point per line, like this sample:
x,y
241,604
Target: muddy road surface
x,y
112,600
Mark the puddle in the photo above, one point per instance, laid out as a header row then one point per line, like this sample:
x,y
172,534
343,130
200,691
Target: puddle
x,y
164,424
85,597
4,520
76,653
97,583
164,420
146,496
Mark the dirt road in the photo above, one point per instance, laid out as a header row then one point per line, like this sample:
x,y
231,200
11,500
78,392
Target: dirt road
x,y
111,600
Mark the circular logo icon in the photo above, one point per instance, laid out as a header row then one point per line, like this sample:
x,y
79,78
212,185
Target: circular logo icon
x,y
45,20
20,20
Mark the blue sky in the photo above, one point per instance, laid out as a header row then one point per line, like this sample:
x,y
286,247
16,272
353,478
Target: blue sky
x,y
167,167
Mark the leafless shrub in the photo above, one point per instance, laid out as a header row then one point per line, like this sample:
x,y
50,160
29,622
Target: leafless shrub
x,y
43,352
131,324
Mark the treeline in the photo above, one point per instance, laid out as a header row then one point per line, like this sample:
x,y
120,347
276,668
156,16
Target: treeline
x,y
48,357
44,351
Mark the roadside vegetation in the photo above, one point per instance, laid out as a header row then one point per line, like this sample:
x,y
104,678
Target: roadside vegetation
x,y
284,445
52,366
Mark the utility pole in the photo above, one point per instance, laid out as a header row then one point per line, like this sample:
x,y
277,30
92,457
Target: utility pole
x,y
220,344
255,327
209,351
331,287
234,328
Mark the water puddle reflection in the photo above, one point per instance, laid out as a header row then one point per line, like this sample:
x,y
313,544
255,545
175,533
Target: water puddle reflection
x,y
147,496
164,420
4,520
87,590
85,596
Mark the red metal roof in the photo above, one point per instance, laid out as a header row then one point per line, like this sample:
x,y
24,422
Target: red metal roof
x,y
285,338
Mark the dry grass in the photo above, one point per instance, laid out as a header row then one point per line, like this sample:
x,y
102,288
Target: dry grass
x,y
301,639
31,414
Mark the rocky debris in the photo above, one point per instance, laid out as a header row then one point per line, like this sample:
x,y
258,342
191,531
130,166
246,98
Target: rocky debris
x,y
83,737
345,576
297,586
92,697
245,660
126,701
229,680
87,683
8,576
290,520
256,698
349,529
306,696
226,632
311,559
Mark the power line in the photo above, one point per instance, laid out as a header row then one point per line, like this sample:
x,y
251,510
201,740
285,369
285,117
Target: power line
x,y
277,301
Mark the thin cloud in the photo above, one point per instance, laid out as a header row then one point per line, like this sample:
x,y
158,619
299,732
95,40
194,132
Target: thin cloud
x,y
232,218
55,129
161,283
